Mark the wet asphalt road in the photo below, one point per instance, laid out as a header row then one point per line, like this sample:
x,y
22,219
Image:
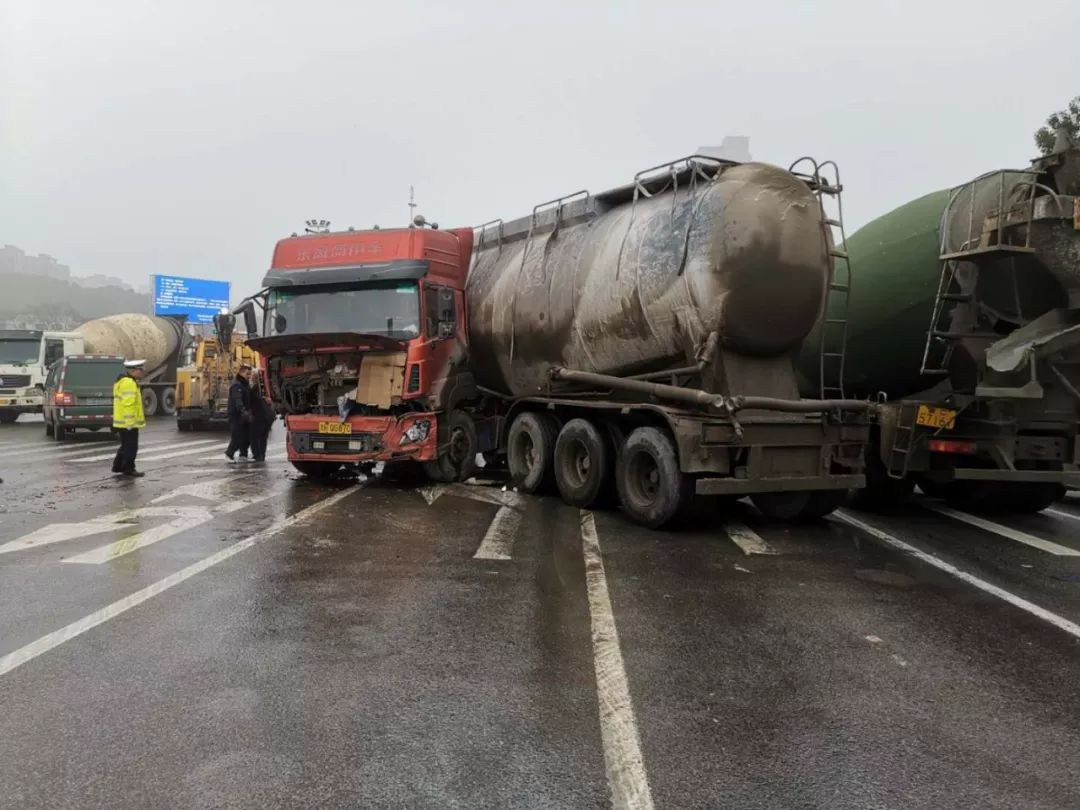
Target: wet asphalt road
x,y
220,635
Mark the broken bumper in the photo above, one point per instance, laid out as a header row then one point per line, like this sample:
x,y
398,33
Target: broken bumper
x,y
368,438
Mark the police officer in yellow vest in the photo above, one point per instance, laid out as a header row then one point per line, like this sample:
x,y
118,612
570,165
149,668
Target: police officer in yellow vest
x,y
128,418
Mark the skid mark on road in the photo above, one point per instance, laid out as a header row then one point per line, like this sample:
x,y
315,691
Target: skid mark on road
x,y
1004,531
624,763
56,638
1059,622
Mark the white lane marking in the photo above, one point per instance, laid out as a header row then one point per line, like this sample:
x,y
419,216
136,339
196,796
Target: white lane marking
x,y
157,455
1005,531
473,493
59,532
747,539
1059,622
186,518
498,542
67,451
624,763
873,639
1061,514
77,628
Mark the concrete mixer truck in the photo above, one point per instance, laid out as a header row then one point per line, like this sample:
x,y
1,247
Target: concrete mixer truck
x,y
965,324
161,341
636,342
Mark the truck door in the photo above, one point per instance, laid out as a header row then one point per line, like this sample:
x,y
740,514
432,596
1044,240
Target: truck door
x,y
54,350
443,328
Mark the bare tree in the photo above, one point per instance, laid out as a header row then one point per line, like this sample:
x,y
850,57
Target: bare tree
x,y
1067,120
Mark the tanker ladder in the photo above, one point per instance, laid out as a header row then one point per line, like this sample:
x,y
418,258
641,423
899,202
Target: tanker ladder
x,y
825,183
903,440
981,247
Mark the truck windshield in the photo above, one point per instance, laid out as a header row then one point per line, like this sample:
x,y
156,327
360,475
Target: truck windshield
x,y
19,352
389,309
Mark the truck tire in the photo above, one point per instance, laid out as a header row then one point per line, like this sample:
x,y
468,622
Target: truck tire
x,y
652,488
320,470
149,402
8,417
457,454
1003,496
168,401
882,493
59,432
530,451
823,502
582,463
48,427
783,506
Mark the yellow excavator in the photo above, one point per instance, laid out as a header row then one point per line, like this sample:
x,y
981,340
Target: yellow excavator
x,y
202,388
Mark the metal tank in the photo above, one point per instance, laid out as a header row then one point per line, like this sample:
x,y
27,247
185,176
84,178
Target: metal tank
x,y
136,337
635,279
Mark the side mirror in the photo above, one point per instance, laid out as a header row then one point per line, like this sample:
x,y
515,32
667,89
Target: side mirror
x,y
251,323
446,329
446,305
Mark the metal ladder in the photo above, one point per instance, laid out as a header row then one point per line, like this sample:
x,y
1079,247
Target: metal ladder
x,y
948,292
825,183
903,441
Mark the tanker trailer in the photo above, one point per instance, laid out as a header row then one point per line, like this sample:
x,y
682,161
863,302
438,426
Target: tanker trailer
x,y
646,335
161,341
965,324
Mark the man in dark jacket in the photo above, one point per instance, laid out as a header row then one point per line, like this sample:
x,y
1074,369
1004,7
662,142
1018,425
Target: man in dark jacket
x,y
239,414
262,419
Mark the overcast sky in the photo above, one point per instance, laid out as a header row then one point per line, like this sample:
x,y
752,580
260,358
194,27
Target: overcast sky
x,y
186,137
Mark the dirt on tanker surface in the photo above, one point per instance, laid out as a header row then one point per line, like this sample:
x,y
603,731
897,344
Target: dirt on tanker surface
x,y
237,635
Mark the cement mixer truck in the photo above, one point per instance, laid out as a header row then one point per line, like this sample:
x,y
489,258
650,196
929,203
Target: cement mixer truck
x,y
635,343
965,324
161,341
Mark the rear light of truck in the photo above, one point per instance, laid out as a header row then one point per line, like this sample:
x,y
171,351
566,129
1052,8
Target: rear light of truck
x,y
948,446
64,398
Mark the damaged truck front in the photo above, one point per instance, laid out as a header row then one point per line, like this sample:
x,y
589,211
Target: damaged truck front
x,y
361,334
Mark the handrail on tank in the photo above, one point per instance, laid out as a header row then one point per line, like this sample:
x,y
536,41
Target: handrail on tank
x,y
818,179
559,203
482,228
673,167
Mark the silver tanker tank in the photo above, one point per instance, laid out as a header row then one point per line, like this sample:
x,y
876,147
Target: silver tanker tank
x,y
635,279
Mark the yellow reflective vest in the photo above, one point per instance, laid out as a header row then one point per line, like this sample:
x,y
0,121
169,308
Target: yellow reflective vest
x,y
127,412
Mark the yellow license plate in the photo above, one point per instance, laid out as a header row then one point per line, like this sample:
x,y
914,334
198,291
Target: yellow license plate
x,y
336,428
936,417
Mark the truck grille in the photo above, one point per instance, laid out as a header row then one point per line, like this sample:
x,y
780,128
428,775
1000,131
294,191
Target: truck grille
x,y
14,380
369,443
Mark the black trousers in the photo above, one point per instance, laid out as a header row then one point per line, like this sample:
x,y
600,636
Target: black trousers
x,y
129,448
239,437
260,435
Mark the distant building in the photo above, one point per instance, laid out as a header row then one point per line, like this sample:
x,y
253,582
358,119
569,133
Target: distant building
x,y
98,280
15,260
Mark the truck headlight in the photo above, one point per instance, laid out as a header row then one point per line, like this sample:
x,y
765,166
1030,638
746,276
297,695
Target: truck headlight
x,y
417,432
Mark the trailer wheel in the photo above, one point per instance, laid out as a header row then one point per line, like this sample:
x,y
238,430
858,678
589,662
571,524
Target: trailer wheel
x,y
457,456
168,402
149,402
317,469
582,463
823,502
530,451
652,488
1004,496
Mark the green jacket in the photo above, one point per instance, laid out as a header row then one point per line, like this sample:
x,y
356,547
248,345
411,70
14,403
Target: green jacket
x,y
127,410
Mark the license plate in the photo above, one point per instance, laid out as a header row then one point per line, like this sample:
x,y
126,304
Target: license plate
x,y
936,417
92,401
335,428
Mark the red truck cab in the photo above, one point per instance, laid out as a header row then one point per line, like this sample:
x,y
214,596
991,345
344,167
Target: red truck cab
x,y
364,343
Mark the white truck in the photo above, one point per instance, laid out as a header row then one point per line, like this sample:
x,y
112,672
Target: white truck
x,y
25,357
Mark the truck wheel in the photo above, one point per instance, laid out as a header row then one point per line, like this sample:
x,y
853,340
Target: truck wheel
x,y
652,488
457,454
48,427
881,493
8,417
149,402
582,463
530,450
168,402
59,432
317,469
823,502
781,505
1004,496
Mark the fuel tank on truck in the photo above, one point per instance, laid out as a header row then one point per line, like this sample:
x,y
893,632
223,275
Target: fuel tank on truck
x,y
134,336
635,279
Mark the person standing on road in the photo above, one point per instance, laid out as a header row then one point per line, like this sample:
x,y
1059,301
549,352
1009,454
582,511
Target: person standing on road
x,y
128,418
239,414
262,419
